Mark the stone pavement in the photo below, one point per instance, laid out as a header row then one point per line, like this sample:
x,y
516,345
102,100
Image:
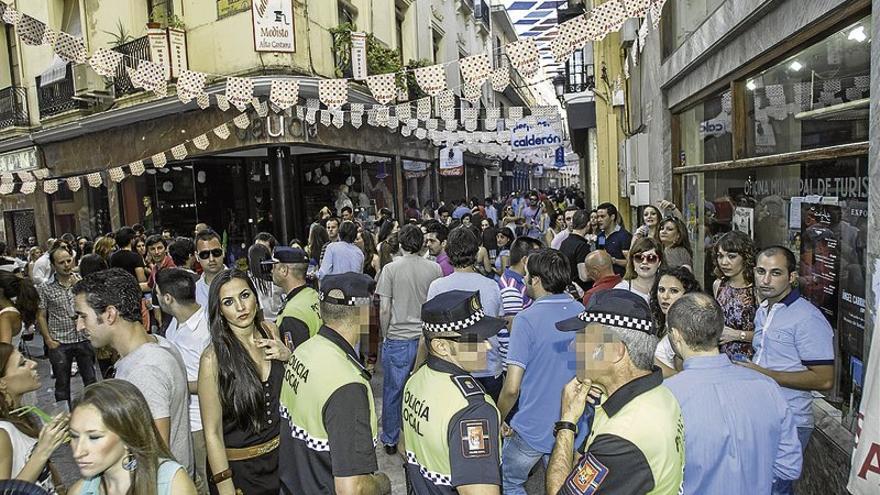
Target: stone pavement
x,y
63,458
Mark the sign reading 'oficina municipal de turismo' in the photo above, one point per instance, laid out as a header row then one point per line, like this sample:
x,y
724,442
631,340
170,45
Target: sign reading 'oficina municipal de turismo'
x,y
525,136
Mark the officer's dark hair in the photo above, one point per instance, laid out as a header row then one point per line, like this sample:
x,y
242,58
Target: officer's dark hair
x,y
154,239
411,238
438,229
346,208
180,250
348,232
113,287
178,283
580,220
790,260
124,236
241,391
698,319
552,267
461,247
522,247
207,236
267,237
90,264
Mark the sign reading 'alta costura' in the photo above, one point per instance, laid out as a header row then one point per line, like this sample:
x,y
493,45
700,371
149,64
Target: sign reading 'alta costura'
x,y
525,136
273,26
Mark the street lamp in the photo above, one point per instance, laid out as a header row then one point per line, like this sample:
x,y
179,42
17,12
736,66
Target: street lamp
x,y
559,86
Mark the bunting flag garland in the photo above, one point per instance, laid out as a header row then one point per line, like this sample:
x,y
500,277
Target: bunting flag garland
x,y
94,179
338,119
179,152
383,87
636,8
515,113
190,85
393,122
11,16
28,187
49,37
432,124
41,173
222,102
261,106
7,187
105,62
421,133
357,115
222,131
561,46
284,93
406,131
159,160
656,9
3,8
444,101
116,174
371,117
325,118
403,111
382,115
201,142
300,113
74,183
242,121
70,48
50,186
501,78
240,92
149,76
524,56
25,176
470,119
333,92
606,18
472,92
423,108
137,168
203,101
431,79
492,116
475,69
31,30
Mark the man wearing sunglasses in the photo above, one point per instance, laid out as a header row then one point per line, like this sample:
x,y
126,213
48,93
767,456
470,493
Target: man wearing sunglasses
x,y
210,254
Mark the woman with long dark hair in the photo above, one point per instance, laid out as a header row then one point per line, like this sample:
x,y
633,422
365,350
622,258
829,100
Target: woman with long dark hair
x,y
672,232
671,284
367,243
503,239
318,237
735,291
25,448
117,447
240,377
19,302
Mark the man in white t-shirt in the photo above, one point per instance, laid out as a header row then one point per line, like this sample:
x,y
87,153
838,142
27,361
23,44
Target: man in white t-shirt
x,y
108,311
190,333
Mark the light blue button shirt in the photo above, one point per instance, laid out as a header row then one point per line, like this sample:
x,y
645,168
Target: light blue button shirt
x,y
790,336
341,257
739,432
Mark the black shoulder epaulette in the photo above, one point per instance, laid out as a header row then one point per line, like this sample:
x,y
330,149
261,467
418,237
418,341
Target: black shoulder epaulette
x,y
468,386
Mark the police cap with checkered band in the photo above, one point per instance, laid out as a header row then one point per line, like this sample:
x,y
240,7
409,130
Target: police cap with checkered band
x,y
616,308
347,289
456,314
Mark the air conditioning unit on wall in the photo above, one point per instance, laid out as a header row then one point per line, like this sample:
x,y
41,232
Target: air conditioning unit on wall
x,y
637,166
89,85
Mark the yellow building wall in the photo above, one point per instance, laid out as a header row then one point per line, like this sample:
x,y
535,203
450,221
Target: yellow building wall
x,y
608,124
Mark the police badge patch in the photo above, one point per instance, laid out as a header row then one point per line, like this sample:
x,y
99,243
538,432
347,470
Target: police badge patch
x,y
475,438
588,476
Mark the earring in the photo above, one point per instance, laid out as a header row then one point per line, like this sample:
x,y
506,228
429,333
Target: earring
x,y
129,462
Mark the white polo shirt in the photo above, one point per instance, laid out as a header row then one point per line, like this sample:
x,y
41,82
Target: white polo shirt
x,y
191,338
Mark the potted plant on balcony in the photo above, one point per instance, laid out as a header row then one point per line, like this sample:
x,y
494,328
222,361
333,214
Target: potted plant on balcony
x,y
120,36
156,19
380,59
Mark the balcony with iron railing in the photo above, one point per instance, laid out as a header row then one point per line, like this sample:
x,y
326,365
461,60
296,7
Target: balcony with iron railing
x,y
13,107
58,96
134,51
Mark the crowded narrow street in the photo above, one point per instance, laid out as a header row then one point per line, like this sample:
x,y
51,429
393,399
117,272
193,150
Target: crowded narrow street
x,y
439,247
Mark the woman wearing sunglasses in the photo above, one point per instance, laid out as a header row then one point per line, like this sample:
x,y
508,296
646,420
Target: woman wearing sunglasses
x,y
644,259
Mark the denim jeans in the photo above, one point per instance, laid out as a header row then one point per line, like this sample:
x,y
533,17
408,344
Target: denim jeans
x,y
517,461
786,487
62,358
397,362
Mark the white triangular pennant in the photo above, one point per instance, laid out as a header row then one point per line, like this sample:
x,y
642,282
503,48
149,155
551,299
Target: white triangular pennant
x,y
94,179
284,93
50,186
239,92
117,174
179,152
333,92
74,183
383,87
159,160
431,79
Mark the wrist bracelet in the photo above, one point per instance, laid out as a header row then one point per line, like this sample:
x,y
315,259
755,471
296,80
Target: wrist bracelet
x,y
221,476
564,425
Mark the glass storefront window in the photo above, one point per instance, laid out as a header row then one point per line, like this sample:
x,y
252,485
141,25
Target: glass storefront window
x,y
706,131
816,98
681,18
819,210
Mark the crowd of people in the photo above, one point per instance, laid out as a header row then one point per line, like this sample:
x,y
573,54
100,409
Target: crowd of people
x,y
508,332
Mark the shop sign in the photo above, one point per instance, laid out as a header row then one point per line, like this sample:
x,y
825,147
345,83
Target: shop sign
x,y
524,136
177,51
359,56
19,160
159,53
229,7
451,161
715,127
273,26
275,126
841,187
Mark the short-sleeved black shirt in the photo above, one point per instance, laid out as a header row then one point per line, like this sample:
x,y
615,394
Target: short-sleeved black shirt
x,y
576,249
615,244
127,260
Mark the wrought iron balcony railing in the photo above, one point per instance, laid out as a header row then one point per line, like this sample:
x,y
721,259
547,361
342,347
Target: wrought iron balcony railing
x,y
135,50
13,107
58,97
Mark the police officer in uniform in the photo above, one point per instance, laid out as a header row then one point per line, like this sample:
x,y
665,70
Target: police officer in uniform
x,y
300,317
450,425
328,427
636,445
